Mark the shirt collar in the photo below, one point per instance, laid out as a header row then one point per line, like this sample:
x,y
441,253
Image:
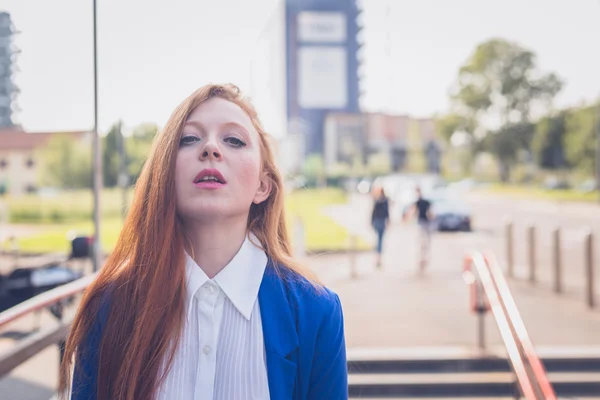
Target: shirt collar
x,y
240,279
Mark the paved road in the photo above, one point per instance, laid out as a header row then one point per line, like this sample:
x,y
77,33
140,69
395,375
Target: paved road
x,y
433,310
574,220
393,307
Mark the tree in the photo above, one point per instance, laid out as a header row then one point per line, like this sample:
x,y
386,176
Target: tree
x,y
313,170
506,143
497,89
110,155
580,138
548,142
379,163
66,164
138,146
136,150
449,124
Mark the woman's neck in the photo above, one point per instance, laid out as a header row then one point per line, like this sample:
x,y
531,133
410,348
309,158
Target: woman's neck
x,y
215,244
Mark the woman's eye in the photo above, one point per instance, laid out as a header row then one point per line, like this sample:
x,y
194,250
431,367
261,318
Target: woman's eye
x,y
189,139
235,142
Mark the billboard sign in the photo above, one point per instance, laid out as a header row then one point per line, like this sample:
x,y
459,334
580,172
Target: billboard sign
x,y
321,27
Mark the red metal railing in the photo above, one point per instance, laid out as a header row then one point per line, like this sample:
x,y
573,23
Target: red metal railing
x,y
529,370
27,348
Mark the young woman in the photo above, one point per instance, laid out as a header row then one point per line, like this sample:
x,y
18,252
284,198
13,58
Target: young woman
x,y
380,218
201,298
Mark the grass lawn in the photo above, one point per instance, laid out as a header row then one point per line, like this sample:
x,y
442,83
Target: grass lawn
x,y
321,233
533,192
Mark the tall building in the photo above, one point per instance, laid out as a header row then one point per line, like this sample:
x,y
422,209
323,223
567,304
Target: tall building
x,y
305,66
8,89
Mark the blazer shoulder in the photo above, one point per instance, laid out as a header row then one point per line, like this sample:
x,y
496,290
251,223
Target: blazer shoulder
x,y
310,295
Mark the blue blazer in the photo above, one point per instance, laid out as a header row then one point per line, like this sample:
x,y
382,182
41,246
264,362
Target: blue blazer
x,y
303,330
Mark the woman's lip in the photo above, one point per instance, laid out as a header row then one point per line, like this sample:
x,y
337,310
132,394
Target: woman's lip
x,y
210,172
209,185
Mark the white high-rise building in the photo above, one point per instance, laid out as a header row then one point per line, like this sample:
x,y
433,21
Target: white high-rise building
x,y
8,89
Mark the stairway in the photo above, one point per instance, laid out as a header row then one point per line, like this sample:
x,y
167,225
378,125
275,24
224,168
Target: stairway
x,y
381,375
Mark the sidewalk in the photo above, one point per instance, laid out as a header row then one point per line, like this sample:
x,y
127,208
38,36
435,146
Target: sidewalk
x,y
393,307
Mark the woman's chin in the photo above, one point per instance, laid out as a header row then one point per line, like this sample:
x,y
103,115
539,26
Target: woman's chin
x,y
207,212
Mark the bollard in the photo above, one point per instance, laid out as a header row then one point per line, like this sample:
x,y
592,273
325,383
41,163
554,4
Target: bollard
x,y
509,249
481,311
531,252
589,268
556,248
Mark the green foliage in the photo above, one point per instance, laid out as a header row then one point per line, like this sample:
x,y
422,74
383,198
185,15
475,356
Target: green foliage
x,y
499,84
379,164
66,163
321,232
580,137
313,170
67,206
548,142
503,74
449,124
110,155
136,149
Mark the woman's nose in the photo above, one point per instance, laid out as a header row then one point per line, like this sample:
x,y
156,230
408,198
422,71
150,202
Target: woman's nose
x,y
210,152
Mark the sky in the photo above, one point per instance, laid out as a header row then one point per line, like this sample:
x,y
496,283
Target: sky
x,y
153,53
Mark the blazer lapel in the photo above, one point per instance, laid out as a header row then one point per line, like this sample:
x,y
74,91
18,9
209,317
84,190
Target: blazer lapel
x,y
280,336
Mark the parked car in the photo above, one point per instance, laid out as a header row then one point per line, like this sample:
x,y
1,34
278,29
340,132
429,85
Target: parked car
x,y
451,214
25,283
554,183
588,186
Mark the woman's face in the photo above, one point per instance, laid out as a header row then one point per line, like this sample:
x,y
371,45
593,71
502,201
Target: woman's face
x,y
218,171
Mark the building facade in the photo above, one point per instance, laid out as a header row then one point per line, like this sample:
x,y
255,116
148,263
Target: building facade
x,y
351,136
8,54
306,66
19,158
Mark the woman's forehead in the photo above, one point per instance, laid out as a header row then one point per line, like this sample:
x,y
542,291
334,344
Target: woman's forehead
x,y
220,111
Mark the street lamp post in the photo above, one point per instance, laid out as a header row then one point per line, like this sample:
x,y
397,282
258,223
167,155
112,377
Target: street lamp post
x,y
97,160
597,180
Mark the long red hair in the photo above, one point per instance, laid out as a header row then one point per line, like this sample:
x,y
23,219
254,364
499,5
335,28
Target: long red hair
x,y
145,273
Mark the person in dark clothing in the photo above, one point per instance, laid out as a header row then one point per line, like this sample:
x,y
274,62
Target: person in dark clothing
x,y
422,208
380,219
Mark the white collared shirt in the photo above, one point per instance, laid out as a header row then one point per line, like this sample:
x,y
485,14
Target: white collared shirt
x,y
221,355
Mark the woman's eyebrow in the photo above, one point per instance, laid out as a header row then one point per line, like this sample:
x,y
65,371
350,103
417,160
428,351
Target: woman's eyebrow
x,y
196,124
236,125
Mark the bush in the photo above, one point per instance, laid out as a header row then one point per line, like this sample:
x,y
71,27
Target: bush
x,y
25,215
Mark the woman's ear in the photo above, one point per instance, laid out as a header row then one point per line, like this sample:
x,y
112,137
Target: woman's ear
x,y
264,189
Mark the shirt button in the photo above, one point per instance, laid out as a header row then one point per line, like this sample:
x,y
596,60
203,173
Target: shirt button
x,y
206,349
211,289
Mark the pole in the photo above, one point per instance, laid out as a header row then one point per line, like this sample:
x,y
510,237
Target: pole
x,y
531,252
589,269
557,260
509,249
97,160
481,306
598,149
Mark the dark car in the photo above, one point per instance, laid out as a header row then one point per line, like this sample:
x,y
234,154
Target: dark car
x,y
25,283
451,214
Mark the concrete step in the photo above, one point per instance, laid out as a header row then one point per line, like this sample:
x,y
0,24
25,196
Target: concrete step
x,y
462,398
472,384
457,359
